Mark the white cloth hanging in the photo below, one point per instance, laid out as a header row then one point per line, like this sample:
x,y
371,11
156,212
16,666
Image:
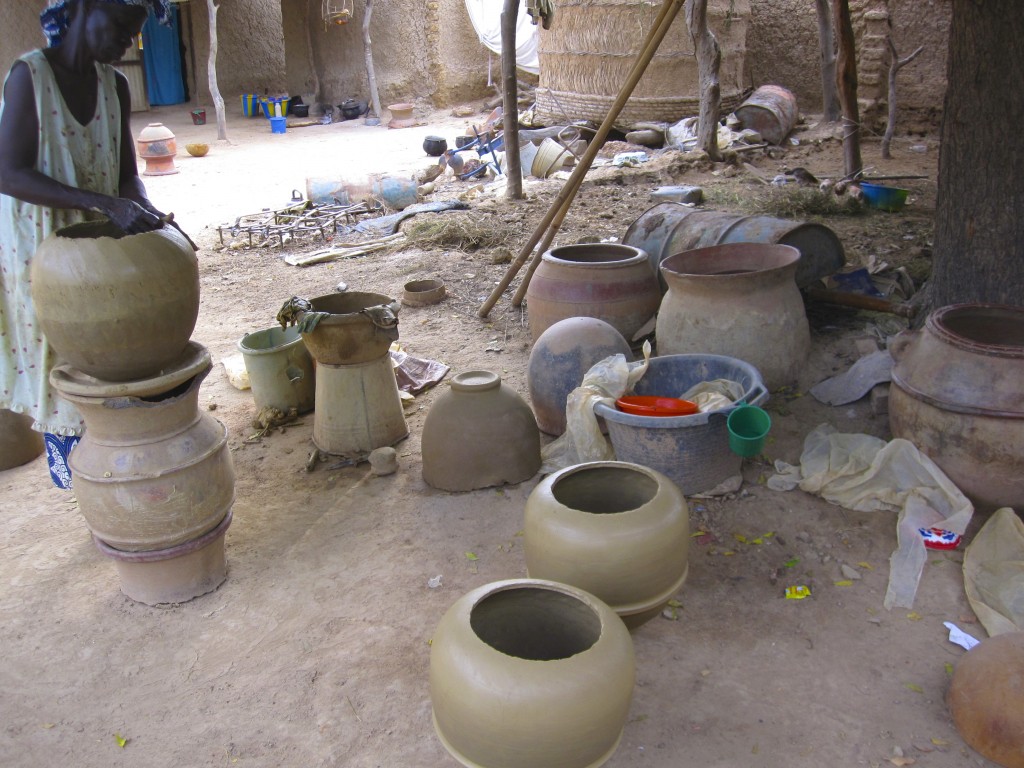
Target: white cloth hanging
x,y
486,18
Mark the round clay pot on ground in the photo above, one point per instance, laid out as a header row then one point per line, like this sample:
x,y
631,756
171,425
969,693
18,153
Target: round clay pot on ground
x,y
738,300
530,674
608,281
560,358
150,472
157,146
956,394
617,530
479,433
19,443
117,307
986,699
360,327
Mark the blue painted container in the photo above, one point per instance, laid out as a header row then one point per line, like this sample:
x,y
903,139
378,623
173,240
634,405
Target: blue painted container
x,y
889,199
278,124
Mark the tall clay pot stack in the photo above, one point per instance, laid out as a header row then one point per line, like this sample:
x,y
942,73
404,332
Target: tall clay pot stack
x,y
153,475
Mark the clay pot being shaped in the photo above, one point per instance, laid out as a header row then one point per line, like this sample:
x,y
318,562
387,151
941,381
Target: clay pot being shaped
x,y
117,307
360,327
608,281
956,394
986,699
152,471
617,530
479,433
157,146
19,443
559,360
530,674
738,300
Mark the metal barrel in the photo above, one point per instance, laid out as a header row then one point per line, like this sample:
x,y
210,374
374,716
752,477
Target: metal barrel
x,y
771,111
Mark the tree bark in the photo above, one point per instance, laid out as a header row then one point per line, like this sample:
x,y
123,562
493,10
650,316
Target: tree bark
x,y
709,59
371,74
979,230
895,66
827,42
510,121
218,100
847,84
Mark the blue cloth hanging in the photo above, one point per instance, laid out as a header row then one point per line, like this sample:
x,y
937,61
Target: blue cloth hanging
x,y
161,53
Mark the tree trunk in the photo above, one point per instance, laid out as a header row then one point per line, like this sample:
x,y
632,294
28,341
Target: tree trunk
x,y
218,100
709,59
510,111
827,42
979,230
847,83
895,65
371,74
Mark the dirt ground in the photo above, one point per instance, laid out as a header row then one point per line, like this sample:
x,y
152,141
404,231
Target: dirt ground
x,y
315,650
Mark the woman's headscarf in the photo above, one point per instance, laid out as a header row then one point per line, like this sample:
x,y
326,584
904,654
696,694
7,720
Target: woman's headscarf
x,y
55,19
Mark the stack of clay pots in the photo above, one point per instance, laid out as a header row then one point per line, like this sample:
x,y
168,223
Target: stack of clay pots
x,y
153,475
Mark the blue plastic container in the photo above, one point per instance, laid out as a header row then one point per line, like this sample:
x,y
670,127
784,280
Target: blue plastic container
x,y
890,199
692,450
278,124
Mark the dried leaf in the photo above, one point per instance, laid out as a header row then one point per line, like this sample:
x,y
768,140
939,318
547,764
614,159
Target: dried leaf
x,y
797,592
843,583
867,565
695,534
470,556
740,538
914,616
949,669
791,563
939,742
674,604
902,760
914,687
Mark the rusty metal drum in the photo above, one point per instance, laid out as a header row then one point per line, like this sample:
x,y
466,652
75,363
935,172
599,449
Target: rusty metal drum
x,y
771,111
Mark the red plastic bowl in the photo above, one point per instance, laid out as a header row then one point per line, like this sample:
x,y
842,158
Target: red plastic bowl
x,y
652,405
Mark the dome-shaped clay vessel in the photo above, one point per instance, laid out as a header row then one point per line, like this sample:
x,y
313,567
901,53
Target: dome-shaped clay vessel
x,y
117,307
986,699
359,327
19,444
530,674
738,300
618,530
962,375
479,433
150,472
157,146
609,281
559,360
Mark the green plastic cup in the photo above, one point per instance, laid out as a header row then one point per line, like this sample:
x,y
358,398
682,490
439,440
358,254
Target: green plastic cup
x,y
748,428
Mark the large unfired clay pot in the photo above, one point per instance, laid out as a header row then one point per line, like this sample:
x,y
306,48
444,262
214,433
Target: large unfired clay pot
x,y
359,327
479,433
151,472
19,444
739,300
957,394
530,674
118,307
986,698
609,281
617,530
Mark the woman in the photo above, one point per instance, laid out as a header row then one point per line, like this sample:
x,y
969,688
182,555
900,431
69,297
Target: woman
x,y
66,154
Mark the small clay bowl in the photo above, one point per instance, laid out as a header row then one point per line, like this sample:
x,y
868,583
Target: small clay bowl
x,y
423,293
197,150
435,146
651,405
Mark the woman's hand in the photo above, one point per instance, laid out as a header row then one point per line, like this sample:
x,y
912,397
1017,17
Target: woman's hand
x,y
131,217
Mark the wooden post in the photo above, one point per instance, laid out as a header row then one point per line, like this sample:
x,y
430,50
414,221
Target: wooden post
x,y
218,100
371,74
847,83
709,59
510,122
895,64
827,43
309,52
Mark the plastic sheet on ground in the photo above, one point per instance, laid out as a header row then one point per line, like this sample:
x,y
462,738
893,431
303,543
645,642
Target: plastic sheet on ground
x,y
605,382
866,474
713,395
683,135
994,573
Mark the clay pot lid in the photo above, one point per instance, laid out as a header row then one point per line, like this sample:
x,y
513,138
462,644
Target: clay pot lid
x,y
71,381
156,132
475,381
422,293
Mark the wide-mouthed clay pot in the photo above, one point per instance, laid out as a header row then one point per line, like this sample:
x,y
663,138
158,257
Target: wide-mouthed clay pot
x,y
117,307
359,327
19,444
530,674
618,530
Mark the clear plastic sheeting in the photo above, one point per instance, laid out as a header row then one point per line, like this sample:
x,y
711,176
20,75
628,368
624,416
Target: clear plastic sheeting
x,y
867,474
994,573
605,382
714,395
485,16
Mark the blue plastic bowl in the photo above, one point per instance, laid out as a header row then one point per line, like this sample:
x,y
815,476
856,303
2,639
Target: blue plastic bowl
x,y
884,198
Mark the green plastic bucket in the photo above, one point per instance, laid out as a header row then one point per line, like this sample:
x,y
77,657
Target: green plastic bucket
x,y
748,427
280,369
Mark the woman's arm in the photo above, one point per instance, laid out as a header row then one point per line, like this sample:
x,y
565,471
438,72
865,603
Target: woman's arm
x,y
19,146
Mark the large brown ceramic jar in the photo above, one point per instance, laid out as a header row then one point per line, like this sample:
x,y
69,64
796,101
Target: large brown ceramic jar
x,y
478,434
739,300
118,307
957,394
609,281
617,530
530,674
151,471
358,327
19,444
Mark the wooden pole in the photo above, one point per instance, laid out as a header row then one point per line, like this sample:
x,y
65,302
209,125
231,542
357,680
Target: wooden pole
x,y
847,83
218,100
827,43
709,60
371,74
895,65
669,10
510,121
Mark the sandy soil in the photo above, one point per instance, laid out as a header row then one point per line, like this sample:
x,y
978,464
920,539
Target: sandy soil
x,y
315,650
